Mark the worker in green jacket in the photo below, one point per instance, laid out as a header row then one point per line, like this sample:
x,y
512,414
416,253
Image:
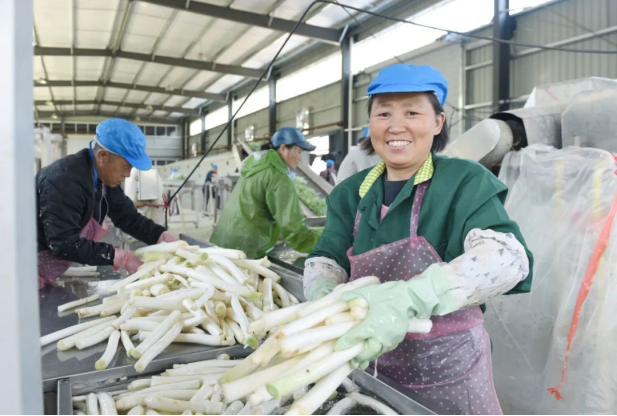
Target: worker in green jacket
x,y
435,232
264,204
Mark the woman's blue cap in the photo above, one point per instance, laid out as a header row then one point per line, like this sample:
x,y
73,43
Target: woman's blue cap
x,y
409,78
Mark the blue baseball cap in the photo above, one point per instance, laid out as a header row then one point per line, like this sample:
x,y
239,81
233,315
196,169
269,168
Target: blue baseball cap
x,y
124,139
329,163
365,133
215,167
289,136
409,78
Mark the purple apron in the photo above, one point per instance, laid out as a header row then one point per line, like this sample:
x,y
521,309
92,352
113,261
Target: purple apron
x,y
448,370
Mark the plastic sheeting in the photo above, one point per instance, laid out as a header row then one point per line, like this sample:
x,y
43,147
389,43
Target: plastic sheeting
x,y
560,199
589,120
564,92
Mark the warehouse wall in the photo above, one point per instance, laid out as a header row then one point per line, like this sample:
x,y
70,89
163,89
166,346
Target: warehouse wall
x,y
468,67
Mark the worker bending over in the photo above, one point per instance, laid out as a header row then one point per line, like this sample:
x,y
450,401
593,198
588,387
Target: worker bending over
x,y
77,192
264,204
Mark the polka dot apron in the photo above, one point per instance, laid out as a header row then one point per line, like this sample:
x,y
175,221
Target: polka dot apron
x,y
448,370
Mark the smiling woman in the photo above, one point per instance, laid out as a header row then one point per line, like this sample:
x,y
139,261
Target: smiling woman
x,y
435,232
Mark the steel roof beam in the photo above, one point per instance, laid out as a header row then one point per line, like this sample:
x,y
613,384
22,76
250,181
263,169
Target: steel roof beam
x,y
323,34
136,87
82,113
149,107
142,57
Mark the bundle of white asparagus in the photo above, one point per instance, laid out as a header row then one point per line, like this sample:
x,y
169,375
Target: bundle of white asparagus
x,y
194,389
300,352
181,293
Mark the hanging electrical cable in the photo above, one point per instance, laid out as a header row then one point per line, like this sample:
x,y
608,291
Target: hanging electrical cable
x,y
347,7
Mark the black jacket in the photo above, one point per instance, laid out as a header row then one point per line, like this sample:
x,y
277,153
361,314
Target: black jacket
x,y
66,200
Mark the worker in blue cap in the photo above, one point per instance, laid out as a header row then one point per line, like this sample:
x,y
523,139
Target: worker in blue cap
x,y
208,189
76,193
264,204
329,174
435,231
357,159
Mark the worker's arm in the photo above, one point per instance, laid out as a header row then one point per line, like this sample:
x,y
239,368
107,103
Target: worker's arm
x,y
60,213
284,205
125,216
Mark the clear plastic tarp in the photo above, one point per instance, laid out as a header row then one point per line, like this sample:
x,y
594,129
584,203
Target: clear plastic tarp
x,y
564,92
561,200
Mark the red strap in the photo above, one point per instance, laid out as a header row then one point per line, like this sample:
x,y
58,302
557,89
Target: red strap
x,y
590,273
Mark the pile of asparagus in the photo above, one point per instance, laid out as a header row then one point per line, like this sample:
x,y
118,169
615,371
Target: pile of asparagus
x,y
183,294
194,389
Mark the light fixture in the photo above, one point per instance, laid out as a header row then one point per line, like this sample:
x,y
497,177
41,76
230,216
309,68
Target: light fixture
x,y
42,81
149,107
49,102
54,116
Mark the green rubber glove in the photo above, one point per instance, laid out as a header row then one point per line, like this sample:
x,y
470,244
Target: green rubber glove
x,y
320,288
391,305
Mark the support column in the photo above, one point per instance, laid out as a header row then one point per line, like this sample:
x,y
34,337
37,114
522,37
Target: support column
x,y
20,348
230,113
272,106
202,144
503,28
346,99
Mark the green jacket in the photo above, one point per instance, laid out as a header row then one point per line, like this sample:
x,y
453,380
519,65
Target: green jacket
x,y
462,195
263,205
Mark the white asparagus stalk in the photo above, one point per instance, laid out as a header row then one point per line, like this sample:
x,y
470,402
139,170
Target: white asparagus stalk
x,y
218,363
221,309
139,384
265,408
259,269
350,386
91,310
83,268
244,368
228,265
335,295
94,339
294,343
72,330
234,408
203,394
358,314
237,389
216,282
312,320
168,406
184,293
298,394
69,342
79,399
116,298
108,355
182,280
205,297
194,330
152,412
195,370
212,328
143,272
268,349
193,309
158,347
211,312
78,302
162,248
158,303
202,339
282,294
136,399
128,314
159,289
243,321
145,283
114,308
320,392
107,403
267,295
339,318
92,405
146,293
191,257
157,334
342,407
246,410
137,410
165,379
237,332
229,253
379,407
420,326
276,318
221,274
288,384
